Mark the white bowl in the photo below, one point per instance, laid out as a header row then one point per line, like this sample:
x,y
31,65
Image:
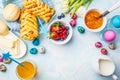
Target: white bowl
x,y
98,29
68,37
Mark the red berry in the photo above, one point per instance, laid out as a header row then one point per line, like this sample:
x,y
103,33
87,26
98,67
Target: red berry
x,y
104,51
53,28
54,35
63,37
64,32
63,27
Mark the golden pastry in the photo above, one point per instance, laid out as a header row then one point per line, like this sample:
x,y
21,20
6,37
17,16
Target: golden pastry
x,y
39,8
11,12
3,28
29,26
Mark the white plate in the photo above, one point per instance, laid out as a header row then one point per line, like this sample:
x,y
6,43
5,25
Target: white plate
x,y
23,47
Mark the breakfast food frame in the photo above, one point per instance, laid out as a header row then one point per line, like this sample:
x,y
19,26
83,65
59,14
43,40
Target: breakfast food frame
x,y
59,39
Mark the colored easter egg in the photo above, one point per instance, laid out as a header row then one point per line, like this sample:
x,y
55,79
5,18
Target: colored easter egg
x,y
81,29
7,61
112,46
33,51
104,51
36,42
1,59
3,68
109,35
115,21
98,44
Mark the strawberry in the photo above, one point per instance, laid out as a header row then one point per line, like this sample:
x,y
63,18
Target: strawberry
x,y
63,27
54,35
64,32
54,28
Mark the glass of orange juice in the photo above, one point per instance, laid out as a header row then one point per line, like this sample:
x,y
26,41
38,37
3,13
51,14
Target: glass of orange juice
x,y
27,71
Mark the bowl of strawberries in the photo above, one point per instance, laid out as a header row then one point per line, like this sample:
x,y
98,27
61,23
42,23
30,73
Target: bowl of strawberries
x,y
60,32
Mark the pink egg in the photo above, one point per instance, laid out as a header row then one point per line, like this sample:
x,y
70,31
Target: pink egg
x,y
109,36
1,59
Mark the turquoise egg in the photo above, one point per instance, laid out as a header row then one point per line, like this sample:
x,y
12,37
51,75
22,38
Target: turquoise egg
x,y
81,29
115,21
36,42
33,51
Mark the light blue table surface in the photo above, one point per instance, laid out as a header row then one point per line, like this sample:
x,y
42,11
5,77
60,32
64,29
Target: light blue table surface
x,y
74,60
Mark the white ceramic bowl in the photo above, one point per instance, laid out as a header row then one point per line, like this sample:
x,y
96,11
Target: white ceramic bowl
x,y
98,29
68,37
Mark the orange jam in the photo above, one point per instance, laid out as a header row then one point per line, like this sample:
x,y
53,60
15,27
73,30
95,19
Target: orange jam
x,y
92,21
27,71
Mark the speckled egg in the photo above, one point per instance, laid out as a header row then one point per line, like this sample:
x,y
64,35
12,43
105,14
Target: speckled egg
x,y
112,46
81,29
115,21
104,51
3,68
41,49
7,61
109,35
33,51
98,44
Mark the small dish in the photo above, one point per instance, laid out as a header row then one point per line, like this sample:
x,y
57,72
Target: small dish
x,y
96,14
69,36
29,67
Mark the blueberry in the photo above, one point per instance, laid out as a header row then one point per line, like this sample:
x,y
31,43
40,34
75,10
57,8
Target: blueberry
x,y
36,42
67,27
59,17
62,15
67,33
33,51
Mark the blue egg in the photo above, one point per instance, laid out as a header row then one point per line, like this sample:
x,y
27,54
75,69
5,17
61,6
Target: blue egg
x,y
115,21
81,29
33,51
36,42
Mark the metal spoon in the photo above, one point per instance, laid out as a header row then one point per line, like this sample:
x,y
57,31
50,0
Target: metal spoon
x,y
114,7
